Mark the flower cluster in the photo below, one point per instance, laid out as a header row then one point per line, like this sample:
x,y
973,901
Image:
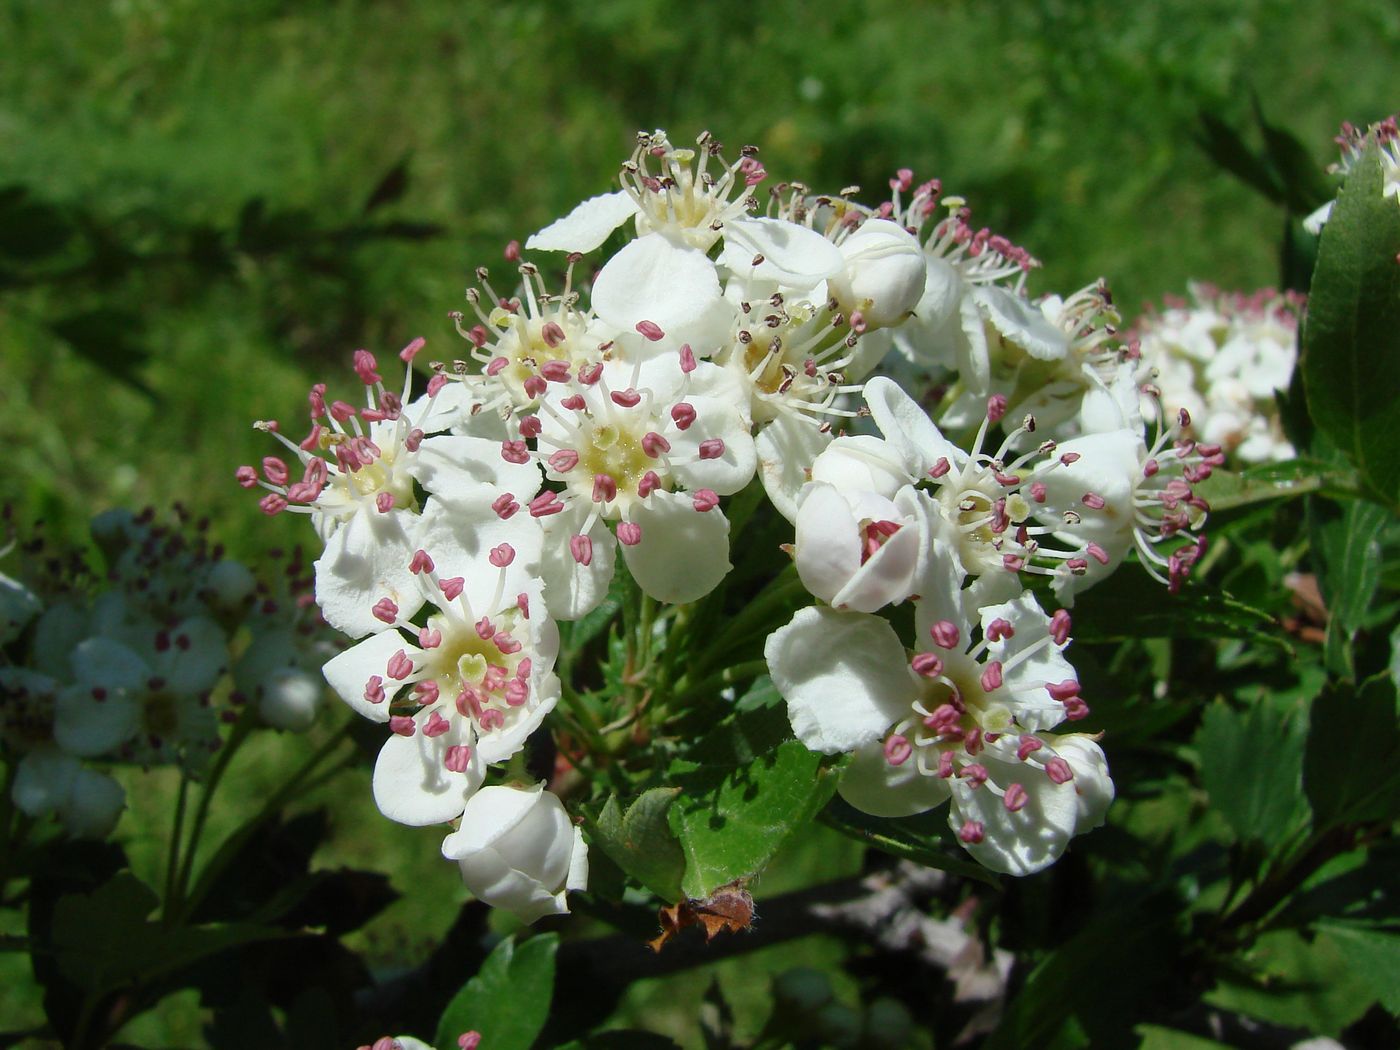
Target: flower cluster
x,y
142,665
1222,358
739,338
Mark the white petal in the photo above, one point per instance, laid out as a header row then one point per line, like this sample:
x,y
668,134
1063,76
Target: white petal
x,y
940,588
863,462
18,606
43,781
367,559
85,726
888,576
94,805
457,467
572,590
726,473
874,786
1028,840
1318,219
792,256
350,672
1021,323
587,226
973,354
501,744
1093,787
197,656
1024,684
658,280
412,786
102,662
827,547
684,553
787,448
459,536
844,676
908,428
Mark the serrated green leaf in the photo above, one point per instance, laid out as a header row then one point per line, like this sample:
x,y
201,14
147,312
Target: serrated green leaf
x,y
1375,955
925,838
1310,985
1351,768
508,999
641,842
622,1039
1252,768
1348,549
1351,338
731,821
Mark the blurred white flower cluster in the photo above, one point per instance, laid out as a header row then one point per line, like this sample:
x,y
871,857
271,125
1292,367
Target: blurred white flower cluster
x,y
726,338
143,665
1223,357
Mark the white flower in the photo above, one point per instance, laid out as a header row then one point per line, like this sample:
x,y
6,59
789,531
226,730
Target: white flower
x,y
1353,142
86,802
145,693
518,850
963,720
884,274
364,503
856,549
669,191
466,688
652,451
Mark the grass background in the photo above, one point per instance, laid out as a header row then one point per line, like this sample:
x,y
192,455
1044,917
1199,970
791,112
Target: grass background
x,y
204,166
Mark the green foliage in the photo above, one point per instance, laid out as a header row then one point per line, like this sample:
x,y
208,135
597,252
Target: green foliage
x,y
1351,769
1252,766
1351,341
508,1000
730,822
1348,552
641,842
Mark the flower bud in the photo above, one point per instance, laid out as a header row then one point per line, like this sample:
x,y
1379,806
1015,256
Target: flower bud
x,y
289,698
519,851
884,276
230,585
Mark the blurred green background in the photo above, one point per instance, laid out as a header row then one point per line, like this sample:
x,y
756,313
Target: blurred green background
x,y
206,205
184,244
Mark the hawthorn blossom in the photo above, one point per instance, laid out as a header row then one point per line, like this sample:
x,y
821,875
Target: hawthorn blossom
x,y
651,449
1224,358
963,719
518,850
1353,142
359,468
467,687
666,190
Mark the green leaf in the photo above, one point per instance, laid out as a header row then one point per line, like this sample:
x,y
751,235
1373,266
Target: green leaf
x,y
103,939
1224,145
1226,490
1311,985
1375,955
641,841
925,838
1348,550
1351,768
1130,605
1252,767
730,822
1351,338
1297,171
508,1000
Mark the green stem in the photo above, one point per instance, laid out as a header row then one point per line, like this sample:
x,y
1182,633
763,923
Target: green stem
x,y
240,732
744,672
776,594
229,849
172,901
